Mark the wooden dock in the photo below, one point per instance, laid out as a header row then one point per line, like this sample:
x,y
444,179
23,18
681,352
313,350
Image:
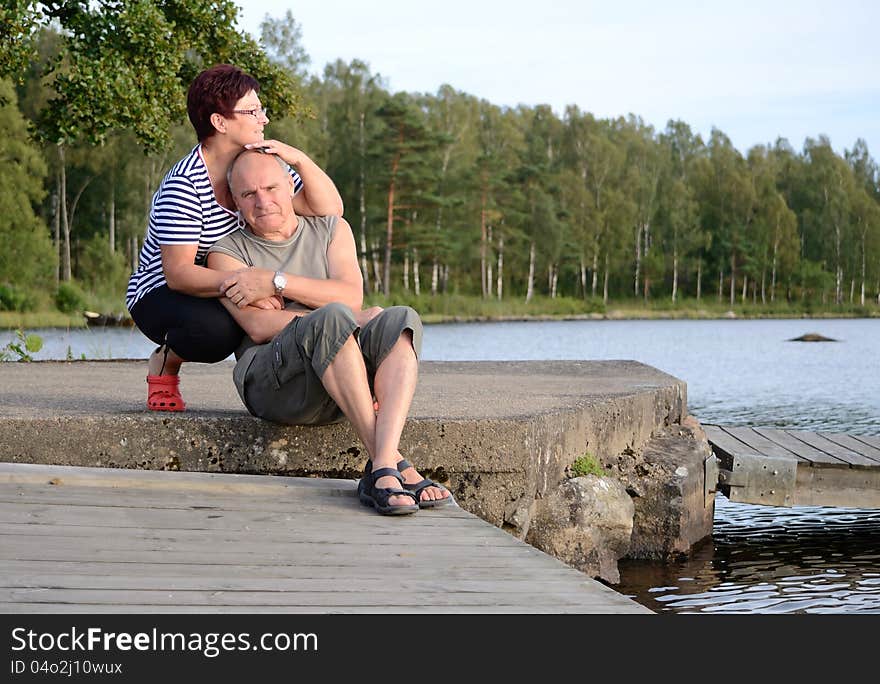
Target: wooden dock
x,y
795,467
101,540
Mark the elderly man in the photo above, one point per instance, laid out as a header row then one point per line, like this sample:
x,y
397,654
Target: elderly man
x,y
312,360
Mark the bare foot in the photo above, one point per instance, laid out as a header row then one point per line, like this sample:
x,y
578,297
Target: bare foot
x,y
411,476
389,482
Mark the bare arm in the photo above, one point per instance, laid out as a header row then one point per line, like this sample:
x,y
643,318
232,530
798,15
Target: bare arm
x,y
319,196
260,324
183,275
344,284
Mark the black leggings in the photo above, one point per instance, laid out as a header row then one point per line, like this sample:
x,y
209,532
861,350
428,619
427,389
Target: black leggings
x,y
195,328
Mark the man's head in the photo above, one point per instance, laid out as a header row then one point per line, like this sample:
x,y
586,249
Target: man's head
x,y
262,189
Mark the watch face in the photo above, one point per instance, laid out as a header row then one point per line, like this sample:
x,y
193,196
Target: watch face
x,y
279,281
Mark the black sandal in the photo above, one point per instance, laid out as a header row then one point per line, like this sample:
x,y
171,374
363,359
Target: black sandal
x,y
416,488
377,497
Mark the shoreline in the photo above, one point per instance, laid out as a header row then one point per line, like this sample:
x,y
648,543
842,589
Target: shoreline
x,y
615,315
11,321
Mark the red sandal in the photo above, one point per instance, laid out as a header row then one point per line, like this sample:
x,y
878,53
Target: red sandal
x,y
163,393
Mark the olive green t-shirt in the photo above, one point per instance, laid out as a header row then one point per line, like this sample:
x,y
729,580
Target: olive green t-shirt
x,y
303,254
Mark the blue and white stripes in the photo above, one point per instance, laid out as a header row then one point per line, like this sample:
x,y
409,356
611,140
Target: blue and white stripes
x,y
184,211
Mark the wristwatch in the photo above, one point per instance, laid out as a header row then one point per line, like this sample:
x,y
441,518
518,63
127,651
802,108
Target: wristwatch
x,y
279,280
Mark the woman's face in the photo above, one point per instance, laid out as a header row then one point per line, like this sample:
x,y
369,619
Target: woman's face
x,y
245,128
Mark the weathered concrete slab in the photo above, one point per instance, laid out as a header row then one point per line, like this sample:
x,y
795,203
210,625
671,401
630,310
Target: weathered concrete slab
x,y
501,435
89,540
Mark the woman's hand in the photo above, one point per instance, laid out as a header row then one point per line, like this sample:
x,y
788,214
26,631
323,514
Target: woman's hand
x,y
289,154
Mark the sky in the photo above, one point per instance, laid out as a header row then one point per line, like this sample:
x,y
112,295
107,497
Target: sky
x,y
755,70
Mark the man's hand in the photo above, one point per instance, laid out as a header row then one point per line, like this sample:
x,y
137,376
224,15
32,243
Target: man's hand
x,y
367,315
273,303
249,286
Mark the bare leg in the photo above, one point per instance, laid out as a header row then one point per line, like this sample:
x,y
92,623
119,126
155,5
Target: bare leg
x,y
346,382
395,385
160,365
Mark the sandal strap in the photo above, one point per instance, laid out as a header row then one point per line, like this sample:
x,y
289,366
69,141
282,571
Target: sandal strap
x,y
402,464
387,472
423,484
382,494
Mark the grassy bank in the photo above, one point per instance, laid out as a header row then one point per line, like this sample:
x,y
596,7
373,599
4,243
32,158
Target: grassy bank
x,y
29,320
452,308
468,308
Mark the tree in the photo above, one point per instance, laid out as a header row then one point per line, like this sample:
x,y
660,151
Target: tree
x,y
26,258
125,65
399,150
726,197
832,182
282,40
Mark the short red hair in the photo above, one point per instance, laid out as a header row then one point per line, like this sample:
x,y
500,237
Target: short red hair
x,y
216,90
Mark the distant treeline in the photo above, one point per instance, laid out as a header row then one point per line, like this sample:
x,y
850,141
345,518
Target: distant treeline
x,y
451,194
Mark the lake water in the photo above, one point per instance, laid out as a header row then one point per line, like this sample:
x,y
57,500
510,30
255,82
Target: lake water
x,y
738,372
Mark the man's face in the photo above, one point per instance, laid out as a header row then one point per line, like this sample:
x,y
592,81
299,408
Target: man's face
x,y
263,193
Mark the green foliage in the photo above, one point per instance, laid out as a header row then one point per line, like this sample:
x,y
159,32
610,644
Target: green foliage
x,y
126,65
18,22
26,256
21,348
587,465
103,273
70,298
14,299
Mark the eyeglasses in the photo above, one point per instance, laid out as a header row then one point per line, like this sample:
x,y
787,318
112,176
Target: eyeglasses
x,y
256,112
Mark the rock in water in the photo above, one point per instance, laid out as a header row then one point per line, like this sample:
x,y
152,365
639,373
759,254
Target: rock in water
x,y
812,337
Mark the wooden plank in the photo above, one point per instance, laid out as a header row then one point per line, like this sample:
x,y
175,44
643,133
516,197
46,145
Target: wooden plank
x,y
279,585
388,599
212,520
761,444
840,487
263,485
245,541
390,562
184,509
726,446
597,608
870,440
462,535
850,442
817,458
338,573
817,441
435,549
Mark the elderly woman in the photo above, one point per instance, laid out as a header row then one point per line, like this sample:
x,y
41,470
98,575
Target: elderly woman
x,y
172,296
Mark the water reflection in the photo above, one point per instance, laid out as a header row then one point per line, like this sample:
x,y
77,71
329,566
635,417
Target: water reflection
x,y
763,559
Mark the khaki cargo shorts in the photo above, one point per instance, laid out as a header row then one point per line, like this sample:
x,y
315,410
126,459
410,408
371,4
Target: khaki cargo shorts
x,y
280,381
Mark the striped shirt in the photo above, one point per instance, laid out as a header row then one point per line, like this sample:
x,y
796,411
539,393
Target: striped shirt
x,y
184,211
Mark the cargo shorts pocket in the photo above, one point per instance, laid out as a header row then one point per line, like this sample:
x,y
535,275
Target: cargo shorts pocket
x,y
287,361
